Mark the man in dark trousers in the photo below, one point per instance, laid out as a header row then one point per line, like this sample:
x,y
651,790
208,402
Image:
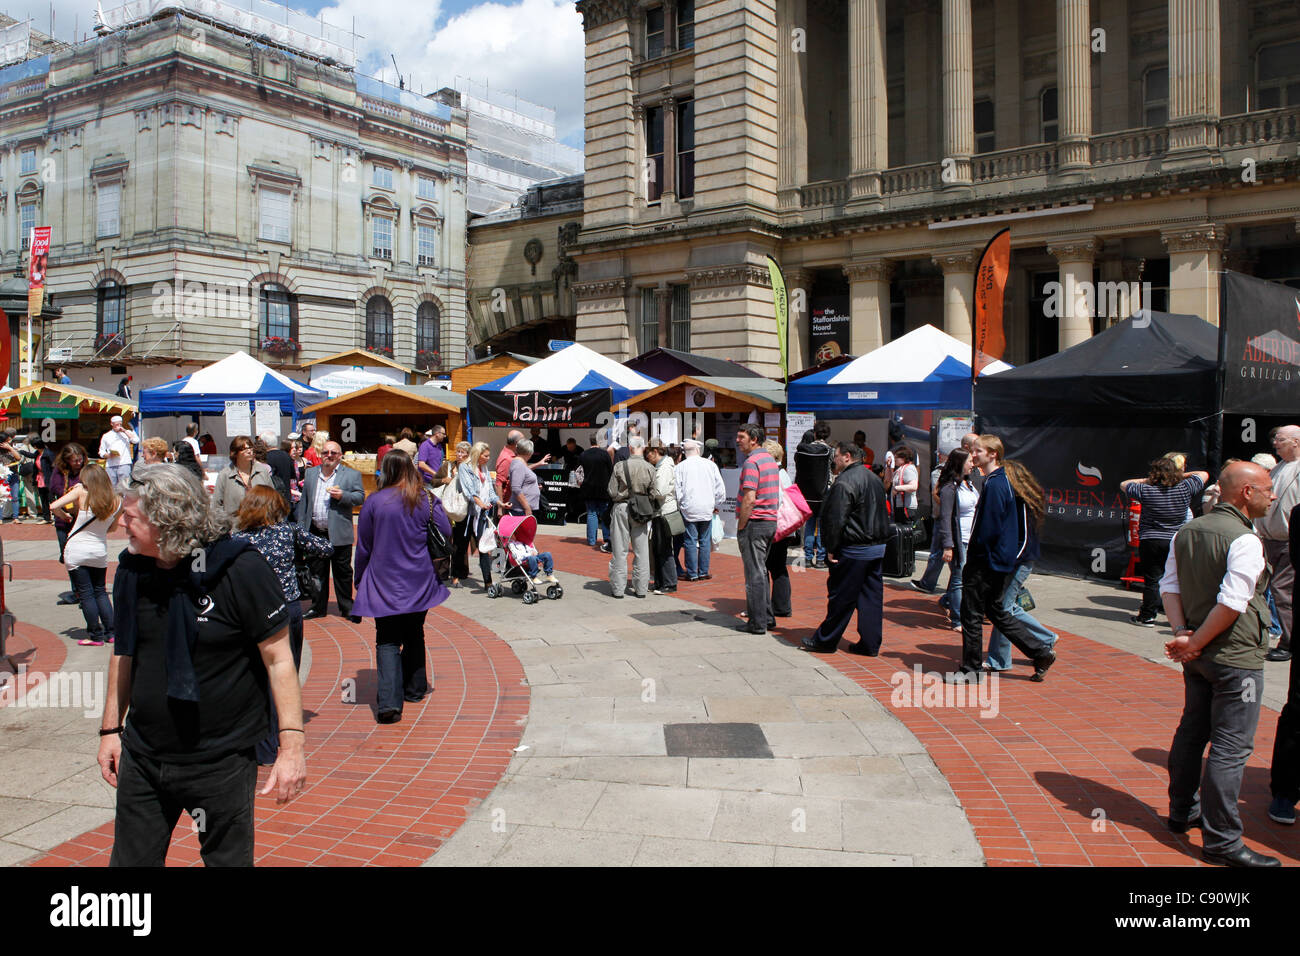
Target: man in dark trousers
x,y
812,473
329,495
855,529
999,535
1285,772
597,467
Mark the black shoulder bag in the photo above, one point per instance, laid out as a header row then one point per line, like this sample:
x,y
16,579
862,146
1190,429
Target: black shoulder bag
x,y
439,546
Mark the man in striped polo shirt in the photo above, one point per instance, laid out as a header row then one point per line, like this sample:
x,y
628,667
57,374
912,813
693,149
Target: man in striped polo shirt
x,y
760,489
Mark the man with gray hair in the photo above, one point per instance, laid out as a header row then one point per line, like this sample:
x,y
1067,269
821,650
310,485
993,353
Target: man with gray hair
x,y
202,630
632,478
1275,529
281,464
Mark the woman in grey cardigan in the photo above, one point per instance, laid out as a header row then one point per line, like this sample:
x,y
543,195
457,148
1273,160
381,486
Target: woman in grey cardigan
x,y
957,500
245,472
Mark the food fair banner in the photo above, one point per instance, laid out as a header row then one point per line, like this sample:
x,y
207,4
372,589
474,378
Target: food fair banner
x,y
781,305
1260,343
37,264
489,409
988,343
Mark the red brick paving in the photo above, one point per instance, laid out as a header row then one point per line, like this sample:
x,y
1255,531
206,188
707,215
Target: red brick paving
x,y
1070,771
379,795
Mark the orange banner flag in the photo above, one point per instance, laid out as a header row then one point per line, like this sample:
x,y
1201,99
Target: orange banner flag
x,y
989,341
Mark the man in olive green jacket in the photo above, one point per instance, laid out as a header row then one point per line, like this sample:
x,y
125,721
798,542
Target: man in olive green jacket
x,y
1213,593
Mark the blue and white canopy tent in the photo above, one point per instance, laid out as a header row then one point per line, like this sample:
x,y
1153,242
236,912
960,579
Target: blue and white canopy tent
x,y
569,389
238,377
924,369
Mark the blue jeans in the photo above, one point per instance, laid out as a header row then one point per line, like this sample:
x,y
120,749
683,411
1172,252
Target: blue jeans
x,y
95,605
934,565
812,536
1275,625
399,659
597,517
953,594
699,542
999,656
530,562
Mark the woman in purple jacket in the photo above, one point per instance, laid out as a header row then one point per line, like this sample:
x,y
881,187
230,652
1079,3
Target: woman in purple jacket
x,y
396,583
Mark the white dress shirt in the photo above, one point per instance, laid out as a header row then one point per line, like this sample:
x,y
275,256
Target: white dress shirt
x,y
1245,564
320,509
120,442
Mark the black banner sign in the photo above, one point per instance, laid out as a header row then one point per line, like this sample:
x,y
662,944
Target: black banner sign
x,y
551,409
1261,336
1080,468
829,328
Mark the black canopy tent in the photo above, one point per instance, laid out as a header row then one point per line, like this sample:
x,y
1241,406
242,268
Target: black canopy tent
x,y
1085,419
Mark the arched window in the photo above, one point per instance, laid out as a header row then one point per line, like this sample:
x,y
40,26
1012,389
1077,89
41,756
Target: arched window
x,y
379,324
110,309
427,346
277,314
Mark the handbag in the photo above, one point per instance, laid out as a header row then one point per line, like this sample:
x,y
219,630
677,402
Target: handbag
x,y
640,508
676,523
454,502
791,513
439,546
716,531
487,540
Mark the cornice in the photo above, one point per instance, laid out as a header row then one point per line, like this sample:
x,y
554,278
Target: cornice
x,y
955,262
1075,249
730,276
598,13
1204,238
601,288
869,270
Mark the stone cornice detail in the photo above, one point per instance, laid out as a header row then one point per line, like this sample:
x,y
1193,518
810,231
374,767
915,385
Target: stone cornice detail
x,y
955,261
1074,250
869,270
1203,238
730,276
601,288
597,13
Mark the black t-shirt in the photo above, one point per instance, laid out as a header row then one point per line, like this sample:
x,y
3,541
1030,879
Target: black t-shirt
x,y
596,471
622,453
541,448
245,608
281,464
571,458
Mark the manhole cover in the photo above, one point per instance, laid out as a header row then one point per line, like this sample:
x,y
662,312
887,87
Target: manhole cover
x,y
716,740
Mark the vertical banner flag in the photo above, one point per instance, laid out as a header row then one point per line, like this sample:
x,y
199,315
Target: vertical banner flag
x,y
1259,322
988,343
6,349
781,303
40,249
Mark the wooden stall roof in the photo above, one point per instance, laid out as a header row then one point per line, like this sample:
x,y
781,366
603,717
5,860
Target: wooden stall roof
x,y
88,398
439,398
760,392
487,369
357,357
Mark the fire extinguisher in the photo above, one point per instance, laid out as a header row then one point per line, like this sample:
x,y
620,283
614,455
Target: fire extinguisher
x,y
1134,519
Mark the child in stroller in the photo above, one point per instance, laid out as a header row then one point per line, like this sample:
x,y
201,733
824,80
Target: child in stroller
x,y
518,561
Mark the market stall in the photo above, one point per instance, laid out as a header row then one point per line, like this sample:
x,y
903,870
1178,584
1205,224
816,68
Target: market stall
x,y
359,420
75,414
354,369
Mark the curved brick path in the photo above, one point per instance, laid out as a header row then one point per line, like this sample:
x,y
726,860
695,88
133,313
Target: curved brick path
x,y
382,795
1069,772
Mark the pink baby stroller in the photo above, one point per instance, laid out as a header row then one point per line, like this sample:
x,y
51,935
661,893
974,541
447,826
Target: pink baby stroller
x,y
509,569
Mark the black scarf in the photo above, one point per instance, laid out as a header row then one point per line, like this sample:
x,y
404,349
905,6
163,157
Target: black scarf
x,y
185,585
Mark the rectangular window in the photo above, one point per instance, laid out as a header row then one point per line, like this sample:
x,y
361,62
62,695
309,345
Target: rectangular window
x,y
686,149
426,188
685,24
985,141
28,161
648,331
681,318
1048,126
273,214
1155,97
654,32
27,219
426,245
383,246
108,211
383,177
654,152
1278,76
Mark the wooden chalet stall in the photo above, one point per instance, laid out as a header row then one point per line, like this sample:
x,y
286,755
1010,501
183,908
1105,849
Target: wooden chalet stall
x,y
359,420
488,370
78,414
355,369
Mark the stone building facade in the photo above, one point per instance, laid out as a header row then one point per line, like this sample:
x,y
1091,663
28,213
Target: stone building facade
x,y
209,192
874,146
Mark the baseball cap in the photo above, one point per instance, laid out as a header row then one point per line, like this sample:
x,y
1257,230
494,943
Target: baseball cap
x,y
115,420
691,443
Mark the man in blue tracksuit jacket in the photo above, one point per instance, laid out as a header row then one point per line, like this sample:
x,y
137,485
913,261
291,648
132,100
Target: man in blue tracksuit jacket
x,y
999,538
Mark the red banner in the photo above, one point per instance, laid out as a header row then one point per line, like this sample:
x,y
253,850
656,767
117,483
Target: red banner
x,y
989,341
37,264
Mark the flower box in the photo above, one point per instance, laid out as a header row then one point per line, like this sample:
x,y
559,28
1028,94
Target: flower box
x,y
428,358
385,350
278,345
109,343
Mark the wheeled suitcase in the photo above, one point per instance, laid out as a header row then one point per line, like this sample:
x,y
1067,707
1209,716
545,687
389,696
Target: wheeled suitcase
x,y
900,552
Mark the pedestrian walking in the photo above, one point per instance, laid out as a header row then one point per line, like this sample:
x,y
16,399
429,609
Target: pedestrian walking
x,y
201,631
477,487
631,491
396,581
952,527
700,494
85,553
756,524
1000,533
667,523
1213,594
1285,771
1166,494
117,448
448,476
66,476
855,530
597,468
812,473
330,494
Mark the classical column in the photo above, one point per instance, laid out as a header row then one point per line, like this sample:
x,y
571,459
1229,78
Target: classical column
x,y
1195,260
798,288
958,93
869,304
1074,84
868,99
669,106
958,292
792,158
1193,80
1114,300
664,302
1074,305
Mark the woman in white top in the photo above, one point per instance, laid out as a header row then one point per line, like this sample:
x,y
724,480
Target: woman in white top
x,y
86,551
907,479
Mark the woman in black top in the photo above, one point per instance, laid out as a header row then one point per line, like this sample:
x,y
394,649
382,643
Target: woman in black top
x,y
1166,494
